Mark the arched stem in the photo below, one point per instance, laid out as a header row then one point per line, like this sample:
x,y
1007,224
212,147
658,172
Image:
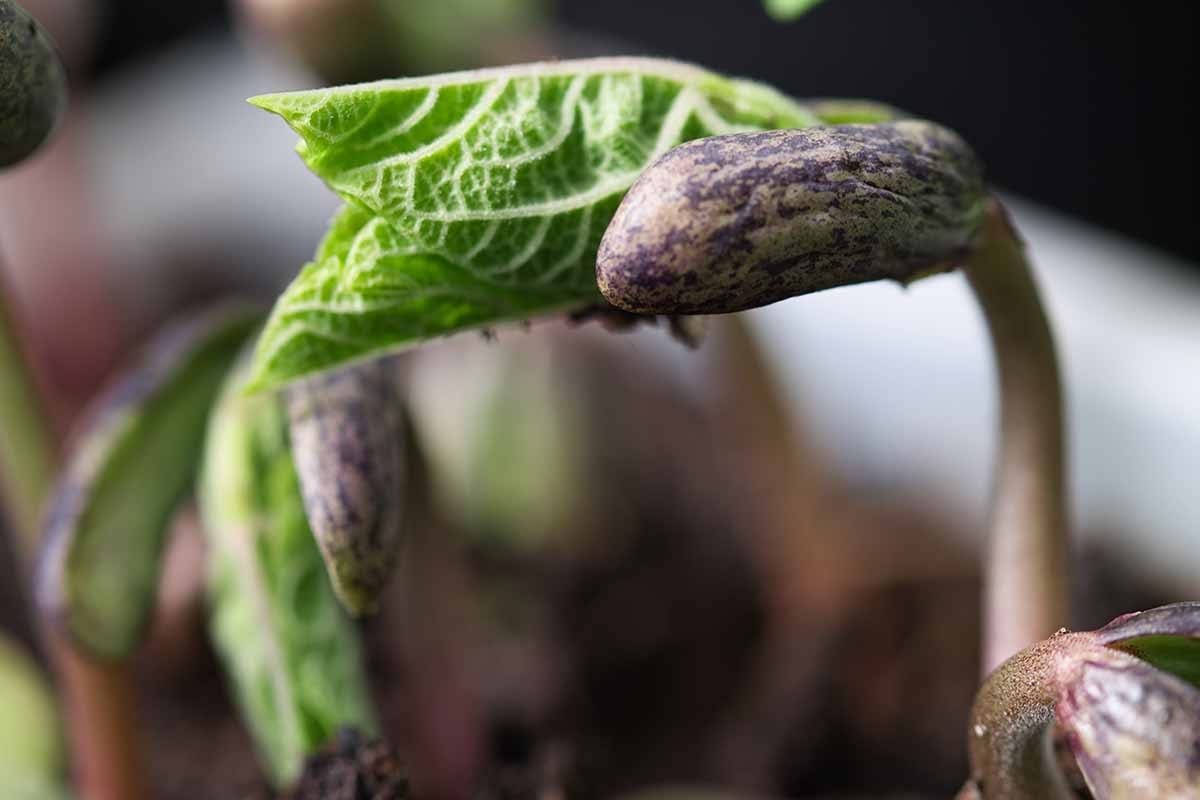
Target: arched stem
x,y
1025,583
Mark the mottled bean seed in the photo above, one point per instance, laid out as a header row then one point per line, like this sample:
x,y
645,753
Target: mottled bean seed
x,y
348,441
734,222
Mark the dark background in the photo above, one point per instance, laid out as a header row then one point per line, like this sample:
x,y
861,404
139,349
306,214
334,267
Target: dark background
x,y
1078,104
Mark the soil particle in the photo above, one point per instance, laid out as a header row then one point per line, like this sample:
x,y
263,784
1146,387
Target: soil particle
x,y
352,768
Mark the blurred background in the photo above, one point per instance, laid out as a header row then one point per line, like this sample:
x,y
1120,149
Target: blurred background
x,y
163,188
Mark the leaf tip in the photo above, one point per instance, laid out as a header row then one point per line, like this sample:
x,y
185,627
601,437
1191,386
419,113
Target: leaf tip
x,y
267,102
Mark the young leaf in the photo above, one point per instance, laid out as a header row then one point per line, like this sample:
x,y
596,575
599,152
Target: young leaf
x,y
103,543
480,197
292,655
788,10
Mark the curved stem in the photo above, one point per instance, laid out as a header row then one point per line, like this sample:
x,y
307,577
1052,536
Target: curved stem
x,y
1025,586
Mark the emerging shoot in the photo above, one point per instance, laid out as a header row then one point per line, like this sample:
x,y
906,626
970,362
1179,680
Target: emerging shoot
x,y
1126,697
735,222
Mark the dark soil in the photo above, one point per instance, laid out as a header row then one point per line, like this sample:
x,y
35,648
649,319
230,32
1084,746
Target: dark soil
x,y
352,768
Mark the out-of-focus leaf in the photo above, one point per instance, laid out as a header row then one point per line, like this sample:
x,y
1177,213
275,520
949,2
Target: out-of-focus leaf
x,y
476,198
788,10
349,444
32,754
438,35
507,438
135,457
26,459
290,652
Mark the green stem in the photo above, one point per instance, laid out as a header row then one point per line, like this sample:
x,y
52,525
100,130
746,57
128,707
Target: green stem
x,y
1025,585
28,455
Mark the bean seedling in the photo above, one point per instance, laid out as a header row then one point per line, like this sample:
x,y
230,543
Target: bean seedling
x,y
476,199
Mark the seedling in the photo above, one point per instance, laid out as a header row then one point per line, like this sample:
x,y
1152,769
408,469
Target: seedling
x,y
735,222
478,198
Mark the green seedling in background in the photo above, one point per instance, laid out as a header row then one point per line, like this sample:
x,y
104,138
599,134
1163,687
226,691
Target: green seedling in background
x,y
788,10
33,758
507,437
134,459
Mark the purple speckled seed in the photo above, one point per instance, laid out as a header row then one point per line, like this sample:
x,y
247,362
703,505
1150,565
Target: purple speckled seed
x,y
348,443
734,222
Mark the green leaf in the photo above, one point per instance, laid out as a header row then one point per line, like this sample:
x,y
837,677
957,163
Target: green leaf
x,y
1179,655
27,457
99,569
33,758
435,35
508,438
1167,636
788,10
293,657
476,198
